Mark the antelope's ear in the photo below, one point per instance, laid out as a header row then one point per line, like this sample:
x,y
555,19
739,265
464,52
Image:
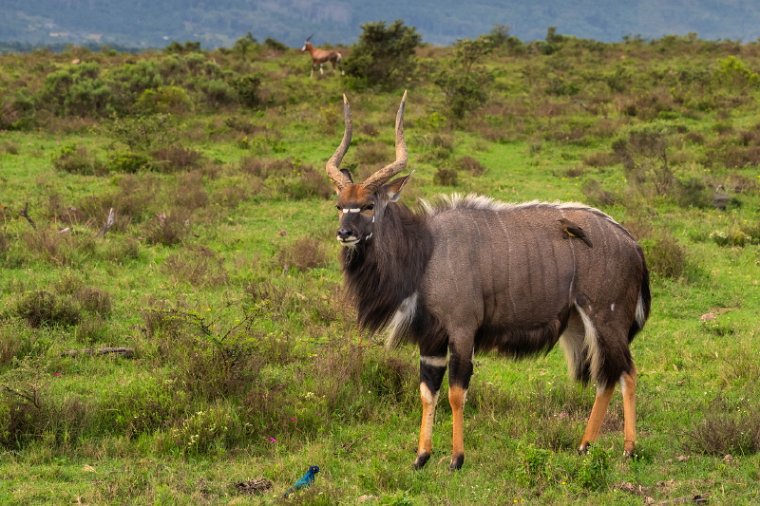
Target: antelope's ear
x,y
347,173
393,189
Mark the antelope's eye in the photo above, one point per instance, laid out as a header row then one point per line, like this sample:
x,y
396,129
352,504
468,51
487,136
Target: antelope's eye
x,y
337,206
369,207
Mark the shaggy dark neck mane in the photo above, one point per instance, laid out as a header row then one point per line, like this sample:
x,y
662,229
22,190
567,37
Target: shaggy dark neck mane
x,y
382,272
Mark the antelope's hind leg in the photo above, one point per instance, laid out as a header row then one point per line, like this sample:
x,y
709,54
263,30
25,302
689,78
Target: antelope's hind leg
x,y
460,372
628,386
601,402
606,342
432,369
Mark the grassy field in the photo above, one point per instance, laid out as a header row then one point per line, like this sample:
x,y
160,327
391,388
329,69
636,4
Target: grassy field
x,y
220,273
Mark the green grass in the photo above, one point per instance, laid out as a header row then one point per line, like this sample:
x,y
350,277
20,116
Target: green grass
x,y
247,365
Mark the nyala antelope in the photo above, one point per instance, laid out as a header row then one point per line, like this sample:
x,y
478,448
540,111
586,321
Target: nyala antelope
x,y
321,56
471,274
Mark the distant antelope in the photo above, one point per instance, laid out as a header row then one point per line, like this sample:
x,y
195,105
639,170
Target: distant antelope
x,y
472,274
321,56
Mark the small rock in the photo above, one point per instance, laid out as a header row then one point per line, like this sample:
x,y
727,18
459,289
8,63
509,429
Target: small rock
x,y
255,486
708,317
682,458
728,459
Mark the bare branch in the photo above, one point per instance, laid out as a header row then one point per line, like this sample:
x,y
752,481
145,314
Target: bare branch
x,y
108,224
25,213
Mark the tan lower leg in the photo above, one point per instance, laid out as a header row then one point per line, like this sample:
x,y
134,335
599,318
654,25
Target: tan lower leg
x,y
596,418
457,399
628,386
428,416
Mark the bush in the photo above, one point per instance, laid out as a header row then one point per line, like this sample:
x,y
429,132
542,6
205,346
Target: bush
x,y
128,161
168,228
175,158
664,255
305,253
471,165
384,56
727,429
129,82
77,160
43,308
164,100
17,113
77,90
465,84
446,177
248,89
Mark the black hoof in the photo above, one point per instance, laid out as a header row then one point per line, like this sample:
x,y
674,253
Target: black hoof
x,y
421,460
456,463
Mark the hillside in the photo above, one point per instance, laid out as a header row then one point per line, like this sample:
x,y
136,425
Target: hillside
x,y
175,203
141,24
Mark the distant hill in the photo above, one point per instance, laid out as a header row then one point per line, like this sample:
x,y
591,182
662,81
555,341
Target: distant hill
x,y
154,23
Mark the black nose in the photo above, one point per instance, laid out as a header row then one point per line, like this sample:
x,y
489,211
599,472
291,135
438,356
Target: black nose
x,y
344,233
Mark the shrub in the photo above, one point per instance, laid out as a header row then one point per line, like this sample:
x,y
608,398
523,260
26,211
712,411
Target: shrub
x,y
17,113
128,161
471,165
275,45
164,100
384,56
305,253
596,195
77,160
465,84
175,158
198,266
168,228
145,134
595,469
726,429
248,89
217,92
664,255
43,308
212,430
445,177
129,82
77,90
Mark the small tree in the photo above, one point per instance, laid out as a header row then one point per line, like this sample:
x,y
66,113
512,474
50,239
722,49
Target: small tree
x,y
464,83
384,56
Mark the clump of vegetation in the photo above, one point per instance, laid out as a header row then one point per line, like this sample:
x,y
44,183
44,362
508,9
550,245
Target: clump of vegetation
x,y
466,83
45,308
305,253
384,56
664,255
77,160
726,430
169,228
446,177
198,266
471,165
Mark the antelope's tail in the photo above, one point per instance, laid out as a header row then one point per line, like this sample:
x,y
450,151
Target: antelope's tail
x,y
643,306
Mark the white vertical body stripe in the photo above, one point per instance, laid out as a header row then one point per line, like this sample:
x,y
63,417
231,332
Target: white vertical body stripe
x,y
591,341
401,321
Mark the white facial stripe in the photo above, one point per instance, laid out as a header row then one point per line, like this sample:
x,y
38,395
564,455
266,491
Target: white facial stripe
x,y
347,210
434,361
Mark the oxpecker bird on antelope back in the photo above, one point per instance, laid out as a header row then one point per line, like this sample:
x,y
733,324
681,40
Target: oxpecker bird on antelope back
x,y
467,274
321,56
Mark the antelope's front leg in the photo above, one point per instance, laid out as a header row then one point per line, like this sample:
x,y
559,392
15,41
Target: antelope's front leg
x,y
460,371
432,369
